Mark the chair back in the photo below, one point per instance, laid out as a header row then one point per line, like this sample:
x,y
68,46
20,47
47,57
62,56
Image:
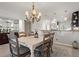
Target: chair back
x,y
46,44
13,42
17,34
31,34
46,37
22,34
52,37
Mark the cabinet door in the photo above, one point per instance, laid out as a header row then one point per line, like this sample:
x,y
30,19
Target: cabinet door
x,y
75,19
3,38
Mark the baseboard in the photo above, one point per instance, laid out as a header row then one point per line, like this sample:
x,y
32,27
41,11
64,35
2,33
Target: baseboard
x,y
59,43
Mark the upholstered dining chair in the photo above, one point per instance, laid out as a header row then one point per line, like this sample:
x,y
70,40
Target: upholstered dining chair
x,y
15,48
31,33
22,34
44,49
51,44
17,34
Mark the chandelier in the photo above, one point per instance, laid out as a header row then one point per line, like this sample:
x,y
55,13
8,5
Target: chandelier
x,y
33,15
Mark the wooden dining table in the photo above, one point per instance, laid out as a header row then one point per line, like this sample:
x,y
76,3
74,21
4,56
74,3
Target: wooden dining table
x,y
31,42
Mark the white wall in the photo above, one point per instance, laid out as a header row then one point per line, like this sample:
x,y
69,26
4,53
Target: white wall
x,y
21,26
66,37
43,24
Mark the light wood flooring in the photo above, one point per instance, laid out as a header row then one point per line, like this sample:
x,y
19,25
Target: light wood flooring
x,y
58,51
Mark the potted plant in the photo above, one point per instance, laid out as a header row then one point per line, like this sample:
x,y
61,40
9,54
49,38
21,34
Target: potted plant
x,y
75,44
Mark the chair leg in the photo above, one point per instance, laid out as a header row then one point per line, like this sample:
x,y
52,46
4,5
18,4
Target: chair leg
x,y
12,55
48,53
51,50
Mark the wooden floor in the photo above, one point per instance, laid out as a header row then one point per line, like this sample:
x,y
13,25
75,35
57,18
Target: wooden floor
x,y
64,51
4,50
58,51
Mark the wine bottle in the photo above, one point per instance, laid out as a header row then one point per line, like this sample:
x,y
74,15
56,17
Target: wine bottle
x,y
36,34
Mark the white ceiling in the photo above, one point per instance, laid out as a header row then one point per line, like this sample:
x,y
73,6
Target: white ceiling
x,y
17,9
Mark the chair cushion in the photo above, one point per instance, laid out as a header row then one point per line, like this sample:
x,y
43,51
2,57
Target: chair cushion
x,y
41,48
39,51
22,50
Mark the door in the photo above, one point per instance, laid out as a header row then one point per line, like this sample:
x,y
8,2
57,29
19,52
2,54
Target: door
x,y
27,26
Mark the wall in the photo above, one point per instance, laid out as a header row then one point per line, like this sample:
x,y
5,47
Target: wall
x,y
41,25
21,26
65,37
24,26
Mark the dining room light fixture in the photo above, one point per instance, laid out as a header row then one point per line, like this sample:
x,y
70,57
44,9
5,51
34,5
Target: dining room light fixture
x,y
33,15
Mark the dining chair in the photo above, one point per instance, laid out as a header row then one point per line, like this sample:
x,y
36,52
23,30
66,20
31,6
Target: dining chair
x,y
31,34
44,49
17,34
51,44
22,34
15,48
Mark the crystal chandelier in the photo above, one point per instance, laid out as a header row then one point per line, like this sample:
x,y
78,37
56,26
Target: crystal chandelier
x,y
33,15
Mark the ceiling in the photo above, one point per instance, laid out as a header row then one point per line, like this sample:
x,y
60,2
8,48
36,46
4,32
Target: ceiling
x,y
17,10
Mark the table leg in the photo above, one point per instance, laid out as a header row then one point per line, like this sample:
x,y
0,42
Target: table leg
x,y
32,52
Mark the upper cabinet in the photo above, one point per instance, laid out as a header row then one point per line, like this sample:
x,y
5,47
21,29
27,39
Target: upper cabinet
x,y
7,25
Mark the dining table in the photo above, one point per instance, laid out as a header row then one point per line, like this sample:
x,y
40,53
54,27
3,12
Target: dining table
x,y
31,42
